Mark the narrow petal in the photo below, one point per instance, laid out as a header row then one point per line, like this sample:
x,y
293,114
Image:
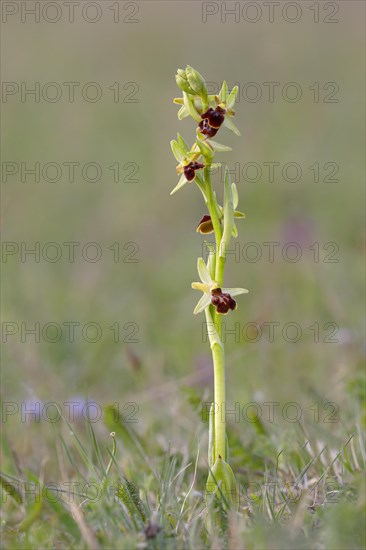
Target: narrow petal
x,y
180,184
238,214
203,271
182,113
203,302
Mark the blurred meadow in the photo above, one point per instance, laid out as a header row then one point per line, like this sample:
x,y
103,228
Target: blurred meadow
x,y
159,369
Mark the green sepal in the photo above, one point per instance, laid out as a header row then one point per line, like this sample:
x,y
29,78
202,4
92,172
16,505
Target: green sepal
x,y
202,304
206,151
231,126
203,271
211,260
219,147
182,143
201,184
180,184
189,105
223,92
232,98
177,150
235,195
219,210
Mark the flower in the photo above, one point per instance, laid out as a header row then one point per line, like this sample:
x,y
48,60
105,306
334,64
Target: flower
x,y
205,226
214,112
190,170
211,121
219,113
222,301
220,298
187,159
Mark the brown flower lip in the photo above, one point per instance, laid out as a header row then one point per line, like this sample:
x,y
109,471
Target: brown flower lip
x,y
205,226
206,129
222,301
212,119
190,170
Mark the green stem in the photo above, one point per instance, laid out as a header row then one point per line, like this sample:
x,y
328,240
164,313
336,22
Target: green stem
x,y
218,412
217,347
218,356
211,204
220,269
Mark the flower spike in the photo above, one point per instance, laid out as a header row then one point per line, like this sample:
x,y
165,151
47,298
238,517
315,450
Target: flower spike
x,y
210,113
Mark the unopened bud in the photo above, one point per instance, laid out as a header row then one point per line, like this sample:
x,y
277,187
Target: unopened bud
x,y
196,82
182,82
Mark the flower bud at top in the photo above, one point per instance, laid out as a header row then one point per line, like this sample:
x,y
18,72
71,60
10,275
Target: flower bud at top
x,y
182,82
196,81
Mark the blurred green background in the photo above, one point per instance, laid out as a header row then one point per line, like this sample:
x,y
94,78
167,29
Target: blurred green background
x,y
154,292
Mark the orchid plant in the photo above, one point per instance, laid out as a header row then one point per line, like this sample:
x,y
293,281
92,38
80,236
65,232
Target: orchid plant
x,y
195,165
